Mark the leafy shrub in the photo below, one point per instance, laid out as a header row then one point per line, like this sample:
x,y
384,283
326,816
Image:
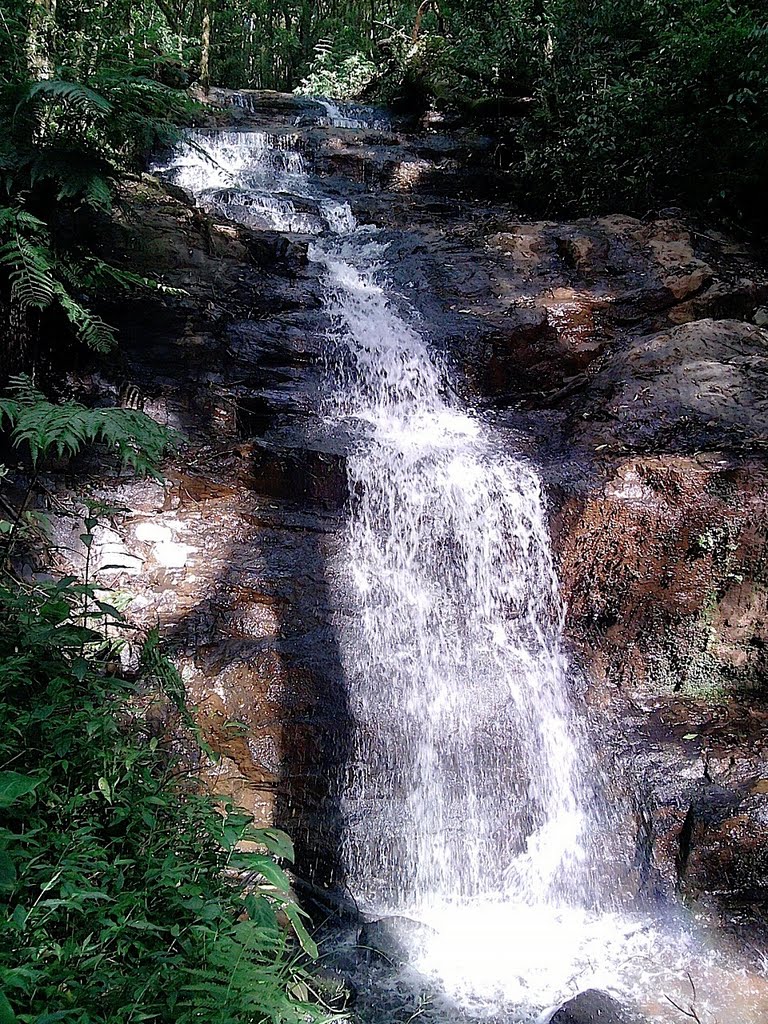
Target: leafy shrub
x,y
337,75
126,896
648,104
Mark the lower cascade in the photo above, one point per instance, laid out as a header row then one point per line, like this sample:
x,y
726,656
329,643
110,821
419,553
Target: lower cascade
x,y
473,801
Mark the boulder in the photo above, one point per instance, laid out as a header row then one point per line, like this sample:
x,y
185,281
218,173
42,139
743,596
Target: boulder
x,y
594,1007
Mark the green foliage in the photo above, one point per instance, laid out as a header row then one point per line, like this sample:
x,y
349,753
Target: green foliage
x,y
337,74
124,895
648,104
78,114
65,428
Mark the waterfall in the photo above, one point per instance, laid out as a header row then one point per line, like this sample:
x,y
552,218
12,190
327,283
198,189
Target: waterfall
x,y
255,178
453,659
351,116
471,797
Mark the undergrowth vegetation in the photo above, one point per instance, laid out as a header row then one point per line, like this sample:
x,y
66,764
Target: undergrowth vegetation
x,y
76,118
128,895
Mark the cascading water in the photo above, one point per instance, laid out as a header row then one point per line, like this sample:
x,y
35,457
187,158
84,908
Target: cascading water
x,y
471,797
253,177
456,678
351,116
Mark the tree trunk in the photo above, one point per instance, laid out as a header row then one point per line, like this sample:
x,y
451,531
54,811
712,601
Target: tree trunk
x,y
41,38
205,48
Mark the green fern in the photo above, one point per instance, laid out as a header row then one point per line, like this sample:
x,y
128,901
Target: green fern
x,y
32,283
38,277
19,219
44,426
74,93
78,176
90,328
96,193
96,273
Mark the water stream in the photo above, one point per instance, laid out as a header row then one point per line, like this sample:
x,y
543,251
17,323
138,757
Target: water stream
x,y
472,800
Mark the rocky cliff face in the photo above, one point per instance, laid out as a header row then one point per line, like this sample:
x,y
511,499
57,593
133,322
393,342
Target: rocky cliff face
x,y
626,357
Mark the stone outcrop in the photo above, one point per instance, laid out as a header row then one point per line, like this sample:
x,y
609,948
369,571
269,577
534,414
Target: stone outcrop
x,y
594,1007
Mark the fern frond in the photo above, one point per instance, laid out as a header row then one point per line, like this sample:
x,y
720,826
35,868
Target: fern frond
x,y
33,285
78,175
90,328
99,273
14,218
74,93
23,390
97,194
44,426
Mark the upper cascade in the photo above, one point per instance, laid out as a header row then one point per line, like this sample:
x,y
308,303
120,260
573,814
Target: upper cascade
x,y
256,178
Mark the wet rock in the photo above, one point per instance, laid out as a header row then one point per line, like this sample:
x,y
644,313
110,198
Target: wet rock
x,y
616,351
703,384
594,1007
267,248
663,569
723,852
393,939
301,475
328,905
264,106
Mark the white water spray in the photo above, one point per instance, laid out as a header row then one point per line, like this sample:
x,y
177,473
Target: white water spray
x,y
351,116
255,178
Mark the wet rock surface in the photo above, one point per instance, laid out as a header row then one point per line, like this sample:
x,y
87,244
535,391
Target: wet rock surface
x,y
624,356
594,1007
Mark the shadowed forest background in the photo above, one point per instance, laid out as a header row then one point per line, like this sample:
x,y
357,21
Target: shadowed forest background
x,y
627,104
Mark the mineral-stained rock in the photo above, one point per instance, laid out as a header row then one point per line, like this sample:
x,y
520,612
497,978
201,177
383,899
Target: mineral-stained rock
x,y
622,355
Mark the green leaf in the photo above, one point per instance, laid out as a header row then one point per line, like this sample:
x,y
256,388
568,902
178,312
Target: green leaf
x,y
265,866
80,668
105,790
7,1016
19,917
110,610
306,941
261,911
13,785
277,842
7,871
